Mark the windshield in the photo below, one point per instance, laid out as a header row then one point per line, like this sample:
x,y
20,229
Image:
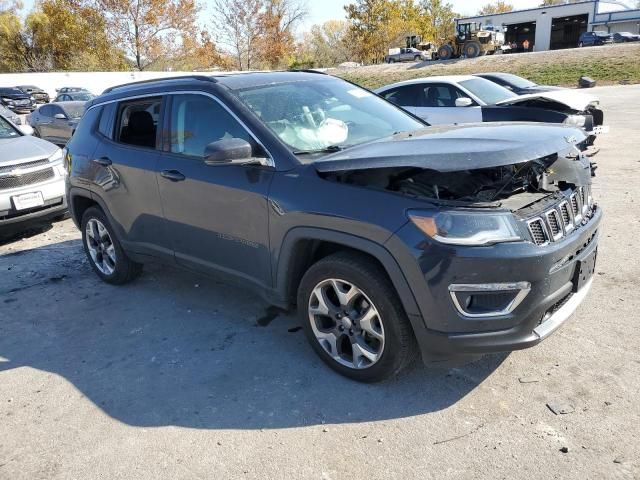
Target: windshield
x,y
82,97
73,111
319,114
516,81
10,91
6,130
487,91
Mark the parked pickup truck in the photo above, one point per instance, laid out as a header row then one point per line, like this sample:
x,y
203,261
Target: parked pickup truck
x,y
406,55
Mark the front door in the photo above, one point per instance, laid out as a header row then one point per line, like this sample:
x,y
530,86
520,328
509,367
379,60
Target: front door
x,y
216,215
439,106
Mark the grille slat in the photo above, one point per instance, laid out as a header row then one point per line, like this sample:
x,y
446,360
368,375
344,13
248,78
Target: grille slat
x,y
537,230
26,179
35,163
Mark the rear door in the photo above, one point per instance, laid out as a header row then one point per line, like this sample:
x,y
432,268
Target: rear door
x,y
124,165
439,105
216,215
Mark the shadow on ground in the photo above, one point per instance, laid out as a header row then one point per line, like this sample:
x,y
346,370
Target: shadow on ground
x,y
175,348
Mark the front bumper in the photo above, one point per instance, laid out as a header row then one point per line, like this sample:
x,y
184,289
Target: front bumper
x,y
549,270
53,194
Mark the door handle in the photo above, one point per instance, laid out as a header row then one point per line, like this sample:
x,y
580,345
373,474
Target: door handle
x,y
173,175
104,161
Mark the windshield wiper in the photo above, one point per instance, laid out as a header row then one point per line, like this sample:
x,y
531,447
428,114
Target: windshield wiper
x,y
329,149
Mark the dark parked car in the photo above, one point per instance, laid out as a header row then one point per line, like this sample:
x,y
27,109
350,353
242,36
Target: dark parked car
x,y
39,95
622,37
75,97
56,122
386,233
16,100
590,39
518,85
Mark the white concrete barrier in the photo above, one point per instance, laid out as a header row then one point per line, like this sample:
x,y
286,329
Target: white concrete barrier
x,y
95,82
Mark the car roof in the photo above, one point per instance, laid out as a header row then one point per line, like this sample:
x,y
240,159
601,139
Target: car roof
x,y
432,79
232,81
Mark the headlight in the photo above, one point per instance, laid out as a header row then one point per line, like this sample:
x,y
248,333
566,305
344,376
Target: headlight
x,y
467,228
575,120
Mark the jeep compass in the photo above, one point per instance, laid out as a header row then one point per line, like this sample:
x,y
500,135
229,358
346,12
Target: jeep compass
x,y
389,236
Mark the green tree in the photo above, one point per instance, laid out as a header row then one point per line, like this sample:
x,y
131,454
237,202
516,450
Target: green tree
x,y
325,45
440,17
496,7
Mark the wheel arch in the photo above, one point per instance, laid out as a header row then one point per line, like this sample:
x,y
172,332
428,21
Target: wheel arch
x,y
304,246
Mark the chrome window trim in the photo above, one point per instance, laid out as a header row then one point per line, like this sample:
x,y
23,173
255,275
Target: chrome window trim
x,y
523,289
268,161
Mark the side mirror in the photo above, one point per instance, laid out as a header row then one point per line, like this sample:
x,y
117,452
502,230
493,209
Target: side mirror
x,y
26,129
463,102
60,116
227,151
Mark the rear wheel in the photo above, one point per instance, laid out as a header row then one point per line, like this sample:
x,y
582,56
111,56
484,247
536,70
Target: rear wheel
x,y
353,318
417,58
445,52
105,254
472,49
580,45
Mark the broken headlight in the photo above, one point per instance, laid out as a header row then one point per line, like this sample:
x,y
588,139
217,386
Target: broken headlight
x,y
575,120
467,228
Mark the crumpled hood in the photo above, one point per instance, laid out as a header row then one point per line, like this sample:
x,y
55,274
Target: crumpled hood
x,y
455,148
572,99
24,148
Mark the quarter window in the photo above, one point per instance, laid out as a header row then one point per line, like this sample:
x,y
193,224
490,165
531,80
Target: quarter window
x,y
138,122
197,121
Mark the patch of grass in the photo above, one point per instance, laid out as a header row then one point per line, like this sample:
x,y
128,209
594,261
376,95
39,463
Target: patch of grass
x,y
607,65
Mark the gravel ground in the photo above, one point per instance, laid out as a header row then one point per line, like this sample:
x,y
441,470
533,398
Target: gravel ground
x,y
177,376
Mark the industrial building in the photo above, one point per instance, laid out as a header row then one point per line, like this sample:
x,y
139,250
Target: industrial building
x,y
559,26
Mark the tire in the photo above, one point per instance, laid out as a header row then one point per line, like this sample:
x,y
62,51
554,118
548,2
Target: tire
x,y
386,345
106,256
580,45
472,50
417,58
445,52
36,133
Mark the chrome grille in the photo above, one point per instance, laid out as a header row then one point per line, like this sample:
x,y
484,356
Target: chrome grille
x,y
558,221
538,231
553,220
35,163
26,179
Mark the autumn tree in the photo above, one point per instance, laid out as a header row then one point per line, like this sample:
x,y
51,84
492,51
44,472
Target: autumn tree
x,y
276,29
57,35
237,25
440,19
149,31
496,7
327,44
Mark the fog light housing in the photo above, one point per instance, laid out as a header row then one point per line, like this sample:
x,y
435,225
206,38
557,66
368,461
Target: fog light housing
x,y
479,300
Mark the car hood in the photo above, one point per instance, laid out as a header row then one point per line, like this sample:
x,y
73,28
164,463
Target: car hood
x,y
455,148
24,148
574,100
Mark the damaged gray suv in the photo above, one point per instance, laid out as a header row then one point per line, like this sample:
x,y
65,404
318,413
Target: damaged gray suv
x,y
391,238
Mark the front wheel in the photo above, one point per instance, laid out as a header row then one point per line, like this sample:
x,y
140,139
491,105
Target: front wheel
x,y
105,254
353,318
580,45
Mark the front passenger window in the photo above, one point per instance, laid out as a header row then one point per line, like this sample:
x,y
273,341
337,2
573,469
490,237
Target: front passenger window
x,y
197,121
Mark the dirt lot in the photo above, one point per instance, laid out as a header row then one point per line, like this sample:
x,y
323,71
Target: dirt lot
x,y
176,376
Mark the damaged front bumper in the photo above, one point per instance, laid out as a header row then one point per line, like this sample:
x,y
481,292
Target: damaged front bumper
x,y
557,277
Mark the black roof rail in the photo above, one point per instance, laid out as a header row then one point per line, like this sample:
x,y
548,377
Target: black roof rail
x,y
307,70
204,78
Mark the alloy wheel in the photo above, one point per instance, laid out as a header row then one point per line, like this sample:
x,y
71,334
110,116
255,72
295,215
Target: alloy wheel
x,y
100,246
346,323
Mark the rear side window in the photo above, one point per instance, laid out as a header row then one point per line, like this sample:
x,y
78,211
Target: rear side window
x,y
138,122
197,121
